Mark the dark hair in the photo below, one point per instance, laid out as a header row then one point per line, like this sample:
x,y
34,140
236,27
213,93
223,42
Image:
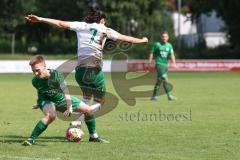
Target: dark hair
x,y
94,16
164,32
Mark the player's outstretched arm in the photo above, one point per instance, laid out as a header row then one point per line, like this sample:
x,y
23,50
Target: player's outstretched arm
x,y
130,39
54,22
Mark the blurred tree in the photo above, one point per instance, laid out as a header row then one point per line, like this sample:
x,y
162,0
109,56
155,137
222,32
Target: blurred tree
x,y
50,39
12,13
11,18
8,21
136,17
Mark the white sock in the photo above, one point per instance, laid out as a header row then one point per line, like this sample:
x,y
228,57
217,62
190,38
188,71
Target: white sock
x,y
95,107
75,123
94,135
81,118
78,121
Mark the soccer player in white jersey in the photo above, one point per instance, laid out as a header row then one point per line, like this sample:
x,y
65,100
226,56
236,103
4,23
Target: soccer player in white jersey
x,y
91,35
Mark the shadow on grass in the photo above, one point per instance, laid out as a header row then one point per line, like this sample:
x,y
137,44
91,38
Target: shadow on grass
x,y
41,141
19,139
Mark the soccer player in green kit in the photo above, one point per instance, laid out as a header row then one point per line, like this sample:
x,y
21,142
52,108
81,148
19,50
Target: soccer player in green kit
x,y
53,95
162,52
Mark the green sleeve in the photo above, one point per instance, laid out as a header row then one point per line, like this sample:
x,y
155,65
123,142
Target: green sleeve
x,y
57,79
153,48
171,50
34,82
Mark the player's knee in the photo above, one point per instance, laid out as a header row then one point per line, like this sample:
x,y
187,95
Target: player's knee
x,y
89,111
50,117
102,101
160,81
99,100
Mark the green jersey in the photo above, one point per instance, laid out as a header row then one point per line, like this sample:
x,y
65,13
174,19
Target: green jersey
x,y
49,89
162,52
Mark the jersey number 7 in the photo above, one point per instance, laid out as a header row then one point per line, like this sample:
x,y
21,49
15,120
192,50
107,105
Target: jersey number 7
x,y
94,33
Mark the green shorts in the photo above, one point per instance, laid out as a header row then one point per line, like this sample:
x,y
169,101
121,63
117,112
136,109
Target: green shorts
x,y
91,81
61,105
162,72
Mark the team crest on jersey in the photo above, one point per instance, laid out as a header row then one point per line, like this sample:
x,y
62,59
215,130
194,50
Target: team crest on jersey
x,y
167,49
163,54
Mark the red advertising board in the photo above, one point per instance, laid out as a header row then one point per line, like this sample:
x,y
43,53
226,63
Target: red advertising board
x,y
189,65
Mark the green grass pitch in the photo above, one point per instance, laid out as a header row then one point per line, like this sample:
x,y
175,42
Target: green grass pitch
x,y
205,124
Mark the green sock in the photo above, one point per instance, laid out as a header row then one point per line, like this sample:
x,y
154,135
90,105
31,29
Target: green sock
x,y
39,128
169,94
155,90
91,123
167,88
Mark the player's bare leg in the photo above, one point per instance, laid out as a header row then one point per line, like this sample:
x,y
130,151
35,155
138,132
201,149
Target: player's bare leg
x,y
49,117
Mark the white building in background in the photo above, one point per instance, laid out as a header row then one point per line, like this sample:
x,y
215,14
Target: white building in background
x,y
186,25
209,26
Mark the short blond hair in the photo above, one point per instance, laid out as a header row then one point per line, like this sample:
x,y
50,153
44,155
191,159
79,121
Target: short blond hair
x,y
36,60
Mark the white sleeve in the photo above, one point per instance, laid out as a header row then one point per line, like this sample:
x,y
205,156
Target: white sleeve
x,y
112,34
75,26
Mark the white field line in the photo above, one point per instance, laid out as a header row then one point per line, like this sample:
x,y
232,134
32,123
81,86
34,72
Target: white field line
x,y
26,158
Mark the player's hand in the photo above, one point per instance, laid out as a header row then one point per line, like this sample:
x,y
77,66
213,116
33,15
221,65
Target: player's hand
x,y
33,18
35,106
68,112
150,62
175,66
145,40
150,67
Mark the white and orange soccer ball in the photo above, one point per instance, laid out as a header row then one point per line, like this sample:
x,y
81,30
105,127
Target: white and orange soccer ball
x,y
74,134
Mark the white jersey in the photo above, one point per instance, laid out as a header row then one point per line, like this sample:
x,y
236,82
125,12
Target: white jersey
x,y
91,38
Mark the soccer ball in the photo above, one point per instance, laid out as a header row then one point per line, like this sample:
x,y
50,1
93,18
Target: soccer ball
x,y
74,134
